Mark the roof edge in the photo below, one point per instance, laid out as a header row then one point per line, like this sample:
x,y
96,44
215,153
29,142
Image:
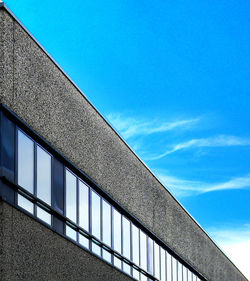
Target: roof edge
x,y
3,5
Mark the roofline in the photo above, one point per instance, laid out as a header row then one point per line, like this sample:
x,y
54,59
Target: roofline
x,y
3,5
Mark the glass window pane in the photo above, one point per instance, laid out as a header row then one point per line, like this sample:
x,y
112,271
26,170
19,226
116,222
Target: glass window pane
x,y
83,206
135,249
185,274
150,256
180,272
96,220
43,175
117,236
143,250
157,260
96,249
84,241
163,264
169,267
25,204
70,196
43,215
106,228
126,243
70,232
189,275
25,162
174,269
144,277
96,214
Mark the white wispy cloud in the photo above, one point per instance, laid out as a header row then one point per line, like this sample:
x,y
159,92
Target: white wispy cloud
x,y
216,141
235,243
184,188
130,127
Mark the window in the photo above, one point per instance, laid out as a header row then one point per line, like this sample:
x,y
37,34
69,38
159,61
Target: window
x,y
157,260
25,162
135,249
40,174
96,220
117,236
126,243
83,212
70,196
106,228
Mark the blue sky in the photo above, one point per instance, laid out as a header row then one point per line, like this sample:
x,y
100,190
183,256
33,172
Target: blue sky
x,y
173,78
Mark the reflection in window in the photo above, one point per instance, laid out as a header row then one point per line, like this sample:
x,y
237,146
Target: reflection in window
x,y
70,196
143,250
157,260
83,206
150,256
43,175
163,264
84,241
106,228
135,249
96,220
126,243
25,162
70,232
174,269
43,215
184,273
189,275
169,267
117,236
25,204
179,267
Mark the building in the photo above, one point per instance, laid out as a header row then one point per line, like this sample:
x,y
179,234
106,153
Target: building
x,y
76,202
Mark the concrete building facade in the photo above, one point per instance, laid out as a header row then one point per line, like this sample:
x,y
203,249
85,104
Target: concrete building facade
x,y
76,202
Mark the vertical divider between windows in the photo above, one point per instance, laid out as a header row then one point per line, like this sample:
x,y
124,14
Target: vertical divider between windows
x,y
90,216
16,161
112,233
77,207
35,176
51,191
122,239
131,248
101,223
64,198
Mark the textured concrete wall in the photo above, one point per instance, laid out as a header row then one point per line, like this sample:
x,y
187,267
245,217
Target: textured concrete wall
x,y
30,251
38,92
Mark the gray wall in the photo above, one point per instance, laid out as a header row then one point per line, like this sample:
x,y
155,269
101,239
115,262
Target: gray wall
x,y
38,92
30,251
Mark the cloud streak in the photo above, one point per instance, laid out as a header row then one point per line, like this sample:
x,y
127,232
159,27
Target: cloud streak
x,y
131,127
184,188
217,141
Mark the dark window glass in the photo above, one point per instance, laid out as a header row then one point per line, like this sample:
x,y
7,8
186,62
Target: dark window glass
x,y
58,186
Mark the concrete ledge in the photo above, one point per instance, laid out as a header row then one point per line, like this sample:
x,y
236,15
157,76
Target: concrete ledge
x,y
30,251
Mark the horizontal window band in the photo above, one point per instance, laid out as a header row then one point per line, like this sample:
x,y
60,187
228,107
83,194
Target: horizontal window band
x,y
18,122
71,224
